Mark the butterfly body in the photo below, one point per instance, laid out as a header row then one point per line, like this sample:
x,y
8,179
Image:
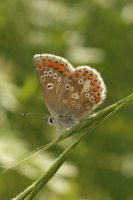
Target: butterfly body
x,y
70,94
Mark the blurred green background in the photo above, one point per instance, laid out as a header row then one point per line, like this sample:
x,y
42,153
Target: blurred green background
x,y
98,33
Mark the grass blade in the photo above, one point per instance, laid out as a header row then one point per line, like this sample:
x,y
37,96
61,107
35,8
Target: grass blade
x,y
82,129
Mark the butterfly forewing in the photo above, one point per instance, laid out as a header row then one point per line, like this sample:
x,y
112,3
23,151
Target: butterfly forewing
x,y
51,71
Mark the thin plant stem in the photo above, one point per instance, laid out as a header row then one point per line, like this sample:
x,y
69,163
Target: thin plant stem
x,y
82,131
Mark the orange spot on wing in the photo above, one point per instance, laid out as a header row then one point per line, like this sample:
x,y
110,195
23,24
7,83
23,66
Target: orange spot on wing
x,y
50,63
85,73
71,76
66,73
61,68
97,99
56,65
90,77
95,89
53,64
77,74
39,64
93,82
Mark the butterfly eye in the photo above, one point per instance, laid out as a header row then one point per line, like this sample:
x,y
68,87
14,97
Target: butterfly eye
x,y
51,120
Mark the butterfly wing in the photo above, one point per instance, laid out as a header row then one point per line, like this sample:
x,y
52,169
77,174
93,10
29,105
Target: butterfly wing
x,y
69,93
51,71
86,91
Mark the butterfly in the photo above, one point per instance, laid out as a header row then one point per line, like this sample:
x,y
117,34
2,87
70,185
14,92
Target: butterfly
x,y
70,94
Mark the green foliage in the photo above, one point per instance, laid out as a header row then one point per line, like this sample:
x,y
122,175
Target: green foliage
x,y
96,33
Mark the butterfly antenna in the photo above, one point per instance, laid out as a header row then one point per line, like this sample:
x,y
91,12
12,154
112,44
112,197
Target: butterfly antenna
x,y
32,114
25,115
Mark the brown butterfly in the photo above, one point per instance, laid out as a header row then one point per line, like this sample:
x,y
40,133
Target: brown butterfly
x,y
70,94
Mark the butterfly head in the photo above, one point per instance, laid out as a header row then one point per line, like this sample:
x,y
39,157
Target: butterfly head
x,y
63,121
